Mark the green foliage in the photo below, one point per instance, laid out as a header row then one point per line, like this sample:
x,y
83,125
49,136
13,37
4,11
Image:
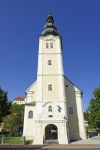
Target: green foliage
x,y
29,142
93,110
4,104
14,120
86,116
96,93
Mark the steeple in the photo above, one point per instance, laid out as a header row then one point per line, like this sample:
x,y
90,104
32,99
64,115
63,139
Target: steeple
x,y
50,28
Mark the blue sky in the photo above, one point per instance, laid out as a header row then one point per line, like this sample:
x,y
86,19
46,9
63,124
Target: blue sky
x,y
22,21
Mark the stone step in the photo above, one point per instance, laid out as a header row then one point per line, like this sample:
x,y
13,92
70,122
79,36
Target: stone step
x,y
51,142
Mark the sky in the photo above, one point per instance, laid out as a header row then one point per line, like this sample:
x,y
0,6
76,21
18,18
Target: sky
x,y
21,23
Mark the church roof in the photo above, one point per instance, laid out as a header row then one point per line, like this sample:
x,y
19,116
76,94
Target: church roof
x,y
29,88
50,28
74,85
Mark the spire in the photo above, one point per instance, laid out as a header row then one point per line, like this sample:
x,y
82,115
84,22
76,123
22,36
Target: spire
x,y
50,18
50,28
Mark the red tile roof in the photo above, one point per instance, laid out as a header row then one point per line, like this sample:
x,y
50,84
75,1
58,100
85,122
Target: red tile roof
x,y
19,99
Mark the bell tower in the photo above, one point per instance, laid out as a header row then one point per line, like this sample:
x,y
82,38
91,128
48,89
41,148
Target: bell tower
x,y
50,65
50,80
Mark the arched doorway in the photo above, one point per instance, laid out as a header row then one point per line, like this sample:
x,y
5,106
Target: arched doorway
x,y
51,132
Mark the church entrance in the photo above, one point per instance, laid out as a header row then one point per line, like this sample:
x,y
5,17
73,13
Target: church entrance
x,y
51,132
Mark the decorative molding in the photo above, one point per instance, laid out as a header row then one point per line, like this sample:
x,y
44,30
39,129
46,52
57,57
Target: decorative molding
x,y
51,121
30,104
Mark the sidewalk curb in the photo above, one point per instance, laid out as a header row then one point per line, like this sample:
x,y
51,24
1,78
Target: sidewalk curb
x,y
58,146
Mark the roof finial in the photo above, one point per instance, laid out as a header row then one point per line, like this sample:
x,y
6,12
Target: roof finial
x,y
50,18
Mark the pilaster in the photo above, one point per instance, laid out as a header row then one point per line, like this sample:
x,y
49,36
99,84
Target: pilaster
x,y
80,115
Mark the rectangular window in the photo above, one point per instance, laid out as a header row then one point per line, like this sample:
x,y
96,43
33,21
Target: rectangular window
x,y
51,45
50,116
47,45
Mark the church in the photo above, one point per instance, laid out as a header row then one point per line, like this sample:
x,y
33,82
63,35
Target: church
x,y
53,104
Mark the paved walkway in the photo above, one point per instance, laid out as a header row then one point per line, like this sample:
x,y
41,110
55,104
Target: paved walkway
x,y
93,140
88,143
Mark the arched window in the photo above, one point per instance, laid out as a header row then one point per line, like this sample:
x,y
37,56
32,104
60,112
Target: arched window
x,y
50,87
51,45
49,62
50,108
47,45
71,110
30,114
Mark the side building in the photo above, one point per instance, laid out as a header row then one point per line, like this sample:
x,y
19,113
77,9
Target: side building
x,y
19,100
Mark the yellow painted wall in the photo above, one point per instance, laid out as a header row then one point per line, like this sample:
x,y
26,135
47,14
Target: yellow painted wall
x,y
50,95
32,90
72,118
50,69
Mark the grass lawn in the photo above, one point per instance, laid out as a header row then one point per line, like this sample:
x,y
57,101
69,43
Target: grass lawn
x,y
13,140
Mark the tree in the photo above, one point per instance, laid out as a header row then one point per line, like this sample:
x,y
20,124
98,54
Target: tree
x,y
14,121
4,104
93,109
86,116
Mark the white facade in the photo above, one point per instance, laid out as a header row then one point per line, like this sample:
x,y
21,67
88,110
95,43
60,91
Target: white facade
x,y
53,109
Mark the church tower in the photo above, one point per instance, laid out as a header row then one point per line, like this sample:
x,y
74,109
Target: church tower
x,y
52,101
